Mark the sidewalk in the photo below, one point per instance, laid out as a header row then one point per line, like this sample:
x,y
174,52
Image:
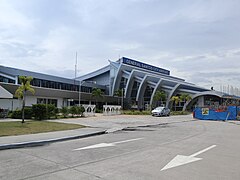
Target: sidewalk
x,y
10,142
95,126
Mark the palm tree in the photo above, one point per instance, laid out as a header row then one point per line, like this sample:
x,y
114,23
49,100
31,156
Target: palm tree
x,y
22,89
176,100
160,95
185,97
97,93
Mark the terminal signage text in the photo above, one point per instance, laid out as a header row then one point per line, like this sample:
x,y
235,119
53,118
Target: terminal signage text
x,y
144,66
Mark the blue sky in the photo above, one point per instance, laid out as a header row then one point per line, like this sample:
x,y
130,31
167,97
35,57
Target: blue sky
x,y
197,40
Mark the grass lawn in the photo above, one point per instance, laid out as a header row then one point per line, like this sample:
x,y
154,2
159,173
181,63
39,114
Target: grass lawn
x,y
31,127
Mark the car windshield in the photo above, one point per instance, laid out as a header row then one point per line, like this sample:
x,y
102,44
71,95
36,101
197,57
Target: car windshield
x,y
159,108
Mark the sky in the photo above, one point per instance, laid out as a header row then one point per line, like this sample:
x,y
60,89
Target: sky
x,y
198,40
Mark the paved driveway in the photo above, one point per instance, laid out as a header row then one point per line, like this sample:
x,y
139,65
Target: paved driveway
x,y
210,150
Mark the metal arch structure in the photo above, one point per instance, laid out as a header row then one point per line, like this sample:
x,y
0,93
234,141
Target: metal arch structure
x,y
194,97
150,79
130,83
172,93
145,75
141,90
117,81
158,86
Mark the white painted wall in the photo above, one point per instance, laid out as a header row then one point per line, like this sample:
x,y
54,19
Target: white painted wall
x,y
30,100
10,104
13,104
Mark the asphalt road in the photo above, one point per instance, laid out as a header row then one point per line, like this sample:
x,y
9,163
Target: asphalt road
x,y
211,150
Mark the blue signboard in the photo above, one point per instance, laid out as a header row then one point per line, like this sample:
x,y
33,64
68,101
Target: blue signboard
x,y
144,66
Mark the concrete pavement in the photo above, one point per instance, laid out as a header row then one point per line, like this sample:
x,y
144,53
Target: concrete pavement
x,y
139,153
97,125
118,122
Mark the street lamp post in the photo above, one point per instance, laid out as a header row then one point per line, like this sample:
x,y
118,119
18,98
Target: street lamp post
x,y
79,94
122,98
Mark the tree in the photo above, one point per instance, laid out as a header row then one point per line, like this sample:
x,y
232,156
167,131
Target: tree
x,y
185,97
176,100
160,95
97,93
22,89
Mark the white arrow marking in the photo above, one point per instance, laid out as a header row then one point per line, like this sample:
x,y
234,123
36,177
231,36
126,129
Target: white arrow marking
x,y
181,160
101,145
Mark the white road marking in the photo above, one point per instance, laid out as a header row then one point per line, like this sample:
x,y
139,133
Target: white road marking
x,y
202,151
119,142
101,145
181,160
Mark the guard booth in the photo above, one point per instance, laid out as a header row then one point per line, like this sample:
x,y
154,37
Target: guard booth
x,y
223,113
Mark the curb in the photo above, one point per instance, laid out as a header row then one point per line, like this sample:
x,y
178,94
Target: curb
x,y
48,141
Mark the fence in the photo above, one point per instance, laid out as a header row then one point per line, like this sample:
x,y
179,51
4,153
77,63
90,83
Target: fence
x,y
206,113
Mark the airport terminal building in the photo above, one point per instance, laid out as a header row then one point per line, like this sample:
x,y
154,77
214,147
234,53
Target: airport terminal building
x,y
137,81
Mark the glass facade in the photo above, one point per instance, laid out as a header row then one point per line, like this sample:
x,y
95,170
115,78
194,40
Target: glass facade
x,y
6,80
57,85
148,94
47,101
54,85
135,90
123,83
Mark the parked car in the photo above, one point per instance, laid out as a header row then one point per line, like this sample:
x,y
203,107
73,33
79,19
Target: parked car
x,y
161,111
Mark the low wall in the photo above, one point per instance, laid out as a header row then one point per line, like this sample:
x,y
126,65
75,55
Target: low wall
x,y
110,110
89,109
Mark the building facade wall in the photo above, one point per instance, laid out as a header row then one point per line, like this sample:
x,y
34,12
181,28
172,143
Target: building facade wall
x,y
138,81
10,104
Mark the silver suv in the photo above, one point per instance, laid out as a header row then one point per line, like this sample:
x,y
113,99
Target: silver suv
x,y
161,111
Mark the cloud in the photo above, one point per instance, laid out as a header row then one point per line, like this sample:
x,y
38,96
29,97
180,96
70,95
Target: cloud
x,y
193,39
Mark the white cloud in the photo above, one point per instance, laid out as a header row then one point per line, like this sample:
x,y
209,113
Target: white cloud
x,y
196,40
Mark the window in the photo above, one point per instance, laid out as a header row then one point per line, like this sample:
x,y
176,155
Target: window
x,y
6,80
47,101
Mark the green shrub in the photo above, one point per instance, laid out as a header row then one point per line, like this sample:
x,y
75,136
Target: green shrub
x,y
56,111
174,113
39,111
64,111
99,111
133,112
73,110
50,108
28,113
80,110
17,114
